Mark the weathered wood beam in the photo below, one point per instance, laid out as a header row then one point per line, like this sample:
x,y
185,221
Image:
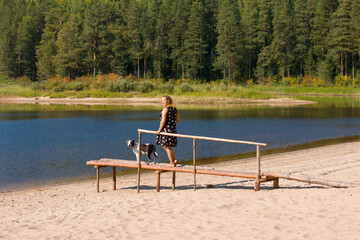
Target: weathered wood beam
x,y
312,180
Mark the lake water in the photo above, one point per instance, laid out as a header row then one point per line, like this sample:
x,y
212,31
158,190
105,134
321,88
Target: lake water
x,y
41,144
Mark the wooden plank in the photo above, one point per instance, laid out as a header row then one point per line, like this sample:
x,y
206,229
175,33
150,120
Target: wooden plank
x,y
170,168
312,180
204,138
163,167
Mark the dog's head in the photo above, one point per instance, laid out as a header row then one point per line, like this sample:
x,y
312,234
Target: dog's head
x,y
130,143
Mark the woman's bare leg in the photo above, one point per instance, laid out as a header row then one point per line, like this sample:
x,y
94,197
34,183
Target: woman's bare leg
x,y
170,154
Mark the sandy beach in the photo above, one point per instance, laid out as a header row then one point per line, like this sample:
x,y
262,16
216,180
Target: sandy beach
x,y
228,210
149,101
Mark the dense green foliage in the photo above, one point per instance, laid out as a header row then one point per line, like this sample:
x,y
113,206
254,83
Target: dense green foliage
x,y
235,40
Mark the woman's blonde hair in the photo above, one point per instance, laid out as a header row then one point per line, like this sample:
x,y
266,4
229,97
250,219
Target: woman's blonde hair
x,y
169,99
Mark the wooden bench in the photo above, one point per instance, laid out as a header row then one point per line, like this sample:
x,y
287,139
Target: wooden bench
x,y
162,167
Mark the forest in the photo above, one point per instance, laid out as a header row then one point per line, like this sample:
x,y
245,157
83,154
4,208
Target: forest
x,y
198,40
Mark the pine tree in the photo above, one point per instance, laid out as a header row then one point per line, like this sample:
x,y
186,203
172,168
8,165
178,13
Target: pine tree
x,y
250,18
195,46
211,10
321,26
177,34
282,43
147,34
47,49
161,47
6,38
96,36
28,26
263,37
120,42
134,32
68,44
302,30
150,51
355,32
229,38
340,34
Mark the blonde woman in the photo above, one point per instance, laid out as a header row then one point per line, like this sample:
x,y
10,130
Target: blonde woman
x,y
169,117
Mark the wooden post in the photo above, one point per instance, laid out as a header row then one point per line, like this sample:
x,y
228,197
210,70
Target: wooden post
x,y
97,178
139,161
194,161
158,181
114,178
276,183
257,181
173,181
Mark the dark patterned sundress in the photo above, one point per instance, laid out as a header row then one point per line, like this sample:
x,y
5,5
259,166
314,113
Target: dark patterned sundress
x,y
169,127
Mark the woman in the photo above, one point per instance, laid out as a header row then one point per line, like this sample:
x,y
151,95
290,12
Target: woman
x,y
169,117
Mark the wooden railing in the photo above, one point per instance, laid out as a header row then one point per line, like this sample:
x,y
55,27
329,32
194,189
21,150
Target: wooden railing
x,y
258,176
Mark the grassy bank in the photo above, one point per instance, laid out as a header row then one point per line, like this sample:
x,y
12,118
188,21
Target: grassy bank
x,y
114,86
291,90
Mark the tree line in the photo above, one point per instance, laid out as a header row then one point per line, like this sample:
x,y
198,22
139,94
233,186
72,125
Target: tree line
x,y
234,40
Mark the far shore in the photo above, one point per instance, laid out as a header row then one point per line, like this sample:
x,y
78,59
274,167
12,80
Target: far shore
x,y
150,101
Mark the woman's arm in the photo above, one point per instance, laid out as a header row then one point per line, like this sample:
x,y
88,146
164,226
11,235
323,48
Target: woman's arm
x,y
163,120
178,118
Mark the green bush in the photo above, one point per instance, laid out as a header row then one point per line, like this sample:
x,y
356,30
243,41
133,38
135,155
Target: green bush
x,y
58,87
23,81
186,87
40,86
145,87
343,81
166,88
124,85
75,86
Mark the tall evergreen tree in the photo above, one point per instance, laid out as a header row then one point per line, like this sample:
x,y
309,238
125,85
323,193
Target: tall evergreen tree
x,y
6,38
250,18
134,32
195,46
69,49
263,37
47,49
147,34
211,8
355,33
283,44
340,35
177,34
321,26
150,38
161,47
302,30
119,59
96,36
229,42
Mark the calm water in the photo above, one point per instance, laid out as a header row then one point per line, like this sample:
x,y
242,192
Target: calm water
x,y
46,144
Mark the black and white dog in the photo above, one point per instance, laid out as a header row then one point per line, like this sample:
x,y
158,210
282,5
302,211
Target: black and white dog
x,y
146,149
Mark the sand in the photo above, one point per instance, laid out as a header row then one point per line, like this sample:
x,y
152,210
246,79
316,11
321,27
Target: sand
x,y
229,210
150,101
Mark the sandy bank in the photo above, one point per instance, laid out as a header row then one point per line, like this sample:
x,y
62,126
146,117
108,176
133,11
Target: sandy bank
x,y
229,210
147,101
